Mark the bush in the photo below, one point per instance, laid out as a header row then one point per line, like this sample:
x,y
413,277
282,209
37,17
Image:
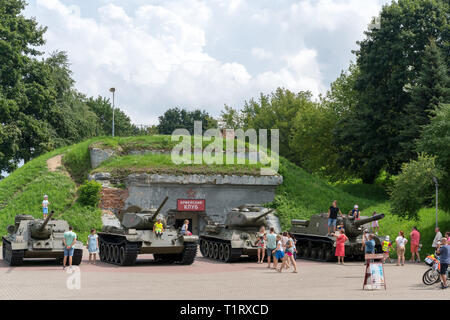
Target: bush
x,y
413,187
89,193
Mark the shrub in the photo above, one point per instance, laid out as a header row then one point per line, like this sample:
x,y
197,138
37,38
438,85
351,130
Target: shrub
x,y
413,187
89,193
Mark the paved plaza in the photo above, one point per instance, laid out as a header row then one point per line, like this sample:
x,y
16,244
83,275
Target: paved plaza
x,y
207,279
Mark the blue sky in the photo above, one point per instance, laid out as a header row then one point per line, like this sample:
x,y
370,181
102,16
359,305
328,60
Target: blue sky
x,y
202,54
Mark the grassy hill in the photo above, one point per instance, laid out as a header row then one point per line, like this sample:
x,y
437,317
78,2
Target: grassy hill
x,y
300,195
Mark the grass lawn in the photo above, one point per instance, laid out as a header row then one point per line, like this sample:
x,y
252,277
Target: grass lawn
x,y
300,195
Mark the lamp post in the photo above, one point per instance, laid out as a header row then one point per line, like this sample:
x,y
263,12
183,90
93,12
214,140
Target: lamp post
x,y
436,184
113,90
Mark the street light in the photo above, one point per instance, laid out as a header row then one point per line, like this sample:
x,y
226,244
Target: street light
x,y
113,90
436,184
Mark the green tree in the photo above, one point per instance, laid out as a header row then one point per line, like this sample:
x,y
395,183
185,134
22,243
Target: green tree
x,y
176,118
103,109
414,188
432,88
435,140
277,111
389,61
230,118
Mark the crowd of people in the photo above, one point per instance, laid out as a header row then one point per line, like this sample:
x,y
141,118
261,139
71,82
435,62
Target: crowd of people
x,y
279,248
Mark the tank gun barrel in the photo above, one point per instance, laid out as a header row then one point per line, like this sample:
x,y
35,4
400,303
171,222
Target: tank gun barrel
x,y
160,208
367,220
262,215
44,224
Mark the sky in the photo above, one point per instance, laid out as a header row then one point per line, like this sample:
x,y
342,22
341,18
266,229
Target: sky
x,y
161,54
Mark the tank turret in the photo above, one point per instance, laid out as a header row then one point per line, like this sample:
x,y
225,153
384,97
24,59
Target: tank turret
x,y
247,218
41,230
353,227
143,220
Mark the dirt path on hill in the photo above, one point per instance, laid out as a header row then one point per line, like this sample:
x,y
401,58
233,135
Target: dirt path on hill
x,y
54,163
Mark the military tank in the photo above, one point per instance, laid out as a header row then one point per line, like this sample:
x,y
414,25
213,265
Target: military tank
x,y
37,238
238,235
314,243
121,245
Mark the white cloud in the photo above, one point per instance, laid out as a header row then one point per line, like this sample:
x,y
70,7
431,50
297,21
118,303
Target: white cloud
x,y
197,53
260,53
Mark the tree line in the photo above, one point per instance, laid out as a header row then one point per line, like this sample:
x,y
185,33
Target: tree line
x,y
387,114
39,107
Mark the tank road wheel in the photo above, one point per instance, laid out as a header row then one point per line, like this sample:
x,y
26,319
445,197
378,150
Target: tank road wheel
x,y
216,251
115,249
77,257
227,253
314,253
210,249
203,247
328,253
109,257
321,253
102,252
221,251
121,255
306,251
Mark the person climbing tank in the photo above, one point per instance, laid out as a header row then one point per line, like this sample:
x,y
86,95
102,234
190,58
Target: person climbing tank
x,y
314,243
37,238
121,245
236,237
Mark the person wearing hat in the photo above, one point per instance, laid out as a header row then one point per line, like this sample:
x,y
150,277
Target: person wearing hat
x,y
386,247
355,212
45,204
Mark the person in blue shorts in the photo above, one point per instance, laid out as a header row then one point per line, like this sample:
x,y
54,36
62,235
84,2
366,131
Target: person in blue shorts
x,y
278,251
45,204
69,240
332,217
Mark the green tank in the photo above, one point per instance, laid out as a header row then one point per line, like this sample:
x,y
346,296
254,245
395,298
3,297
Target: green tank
x,y
236,237
37,238
121,245
313,242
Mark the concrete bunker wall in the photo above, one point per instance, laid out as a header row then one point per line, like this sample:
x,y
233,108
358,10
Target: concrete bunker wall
x,y
220,192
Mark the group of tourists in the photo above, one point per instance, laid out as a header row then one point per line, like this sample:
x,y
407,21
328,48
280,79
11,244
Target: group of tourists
x,y
277,247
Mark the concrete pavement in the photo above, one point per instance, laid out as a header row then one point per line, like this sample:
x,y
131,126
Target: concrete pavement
x,y
207,279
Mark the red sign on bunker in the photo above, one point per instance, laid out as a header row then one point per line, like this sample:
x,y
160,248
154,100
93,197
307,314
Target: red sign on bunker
x,y
191,205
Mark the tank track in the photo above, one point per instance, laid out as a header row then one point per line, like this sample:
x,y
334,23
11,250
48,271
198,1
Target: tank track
x,y
219,250
185,258
189,254
122,253
315,249
12,257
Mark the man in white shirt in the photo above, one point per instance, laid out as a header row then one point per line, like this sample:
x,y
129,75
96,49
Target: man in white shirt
x,y
437,238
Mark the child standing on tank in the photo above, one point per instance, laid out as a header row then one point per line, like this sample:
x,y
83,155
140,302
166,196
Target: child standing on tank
x,y
375,225
45,204
158,228
92,245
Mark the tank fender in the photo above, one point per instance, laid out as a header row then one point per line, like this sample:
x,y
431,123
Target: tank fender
x,y
190,238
